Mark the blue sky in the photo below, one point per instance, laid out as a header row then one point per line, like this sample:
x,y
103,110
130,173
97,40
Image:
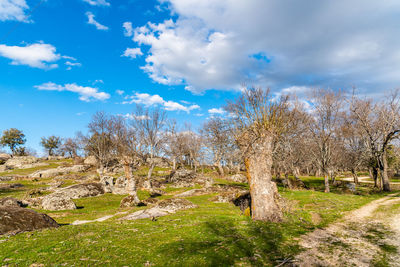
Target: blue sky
x,y
61,61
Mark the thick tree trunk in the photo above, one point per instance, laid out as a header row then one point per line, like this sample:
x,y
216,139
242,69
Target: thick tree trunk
x,y
384,174
263,191
354,173
147,183
375,176
326,181
131,182
220,169
174,164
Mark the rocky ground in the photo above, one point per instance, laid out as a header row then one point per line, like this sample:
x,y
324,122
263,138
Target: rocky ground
x,y
187,218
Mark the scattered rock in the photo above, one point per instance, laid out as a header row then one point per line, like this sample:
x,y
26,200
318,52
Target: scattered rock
x,y
10,186
129,201
82,190
4,157
351,187
6,178
91,160
163,208
192,192
15,220
174,204
238,178
59,171
33,193
150,201
159,162
58,201
188,178
22,162
108,183
55,185
156,192
11,202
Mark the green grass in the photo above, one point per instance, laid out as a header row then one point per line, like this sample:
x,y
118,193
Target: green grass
x,y
214,234
51,165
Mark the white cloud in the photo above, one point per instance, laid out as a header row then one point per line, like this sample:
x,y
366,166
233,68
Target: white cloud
x,y
37,55
13,10
97,2
92,21
120,92
128,29
277,43
151,100
72,64
86,94
214,111
132,52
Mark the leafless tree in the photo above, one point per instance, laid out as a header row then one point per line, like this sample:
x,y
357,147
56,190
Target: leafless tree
x,y
380,125
324,125
258,120
99,142
216,135
70,147
127,149
149,125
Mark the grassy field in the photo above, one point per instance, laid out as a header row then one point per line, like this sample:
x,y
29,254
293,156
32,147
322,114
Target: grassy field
x,y
215,234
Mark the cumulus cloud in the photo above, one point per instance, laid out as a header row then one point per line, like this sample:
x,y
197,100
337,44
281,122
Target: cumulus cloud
x,y
97,2
223,44
218,111
13,10
92,21
151,100
132,52
128,29
120,92
37,55
86,94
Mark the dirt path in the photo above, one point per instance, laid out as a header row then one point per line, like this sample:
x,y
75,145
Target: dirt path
x,y
364,237
363,179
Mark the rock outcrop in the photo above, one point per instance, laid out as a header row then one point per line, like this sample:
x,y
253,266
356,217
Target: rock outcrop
x,y
188,178
163,208
15,220
49,173
238,178
58,201
11,202
91,160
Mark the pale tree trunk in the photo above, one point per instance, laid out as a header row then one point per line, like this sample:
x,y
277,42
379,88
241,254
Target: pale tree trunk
x,y
220,169
384,174
263,191
354,173
326,181
174,164
131,182
147,183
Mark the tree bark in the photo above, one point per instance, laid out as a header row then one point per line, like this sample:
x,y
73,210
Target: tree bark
x,y
263,191
326,181
375,176
147,183
354,173
220,169
131,182
384,174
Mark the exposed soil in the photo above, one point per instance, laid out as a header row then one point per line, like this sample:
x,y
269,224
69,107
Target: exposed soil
x,y
363,237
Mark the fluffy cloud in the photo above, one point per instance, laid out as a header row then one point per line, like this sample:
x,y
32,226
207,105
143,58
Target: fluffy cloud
x,y
222,44
151,100
86,94
92,21
38,55
128,29
97,2
218,111
13,10
132,52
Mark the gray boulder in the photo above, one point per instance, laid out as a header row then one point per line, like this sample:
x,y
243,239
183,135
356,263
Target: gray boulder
x,y
11,202
15,220
238,178
163,208
58,201
4,157
82,190
23,162
91,160
59,171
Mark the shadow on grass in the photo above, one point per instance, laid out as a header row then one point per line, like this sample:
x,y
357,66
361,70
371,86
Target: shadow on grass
x,y
255,244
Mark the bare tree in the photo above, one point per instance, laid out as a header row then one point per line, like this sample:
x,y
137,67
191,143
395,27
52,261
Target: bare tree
x,y
258,120
380,125
70,147
149,124
324,125
216,134
99,142
127,149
